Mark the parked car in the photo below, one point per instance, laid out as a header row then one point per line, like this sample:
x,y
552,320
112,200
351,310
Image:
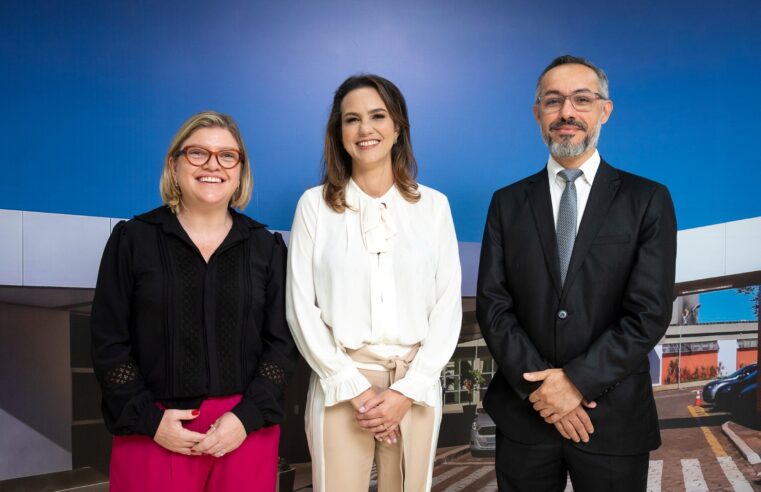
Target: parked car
x,y
710,389
726,396
483,435
745,408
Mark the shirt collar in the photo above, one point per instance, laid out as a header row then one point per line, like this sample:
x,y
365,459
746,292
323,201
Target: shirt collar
x,y
163,216
355,195
589,168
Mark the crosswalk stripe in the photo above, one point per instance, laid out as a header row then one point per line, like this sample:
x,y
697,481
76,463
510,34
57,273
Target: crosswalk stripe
x,y
466,463
691,471
735,477
445,476
693,476
464,482
491,486
654,473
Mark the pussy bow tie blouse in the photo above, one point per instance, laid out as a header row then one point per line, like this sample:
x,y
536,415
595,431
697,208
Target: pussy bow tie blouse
x,y
384,274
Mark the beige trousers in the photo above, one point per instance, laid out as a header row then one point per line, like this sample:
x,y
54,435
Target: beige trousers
x,y
350,451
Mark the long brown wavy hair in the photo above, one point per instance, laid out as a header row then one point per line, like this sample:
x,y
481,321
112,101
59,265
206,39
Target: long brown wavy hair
x,y
336,162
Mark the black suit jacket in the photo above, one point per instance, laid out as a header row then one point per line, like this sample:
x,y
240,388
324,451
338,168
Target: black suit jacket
x,y
599,326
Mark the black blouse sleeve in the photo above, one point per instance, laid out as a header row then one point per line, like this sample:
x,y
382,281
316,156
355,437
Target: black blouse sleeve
x,y
263,398
128,406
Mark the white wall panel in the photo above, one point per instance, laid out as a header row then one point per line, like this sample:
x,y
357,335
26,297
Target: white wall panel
x,y
744,246
63,250
11,271
701,253
728,356
469,257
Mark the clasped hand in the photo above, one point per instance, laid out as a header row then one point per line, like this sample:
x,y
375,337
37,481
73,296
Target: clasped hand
x,y
380,412
560,403
224,435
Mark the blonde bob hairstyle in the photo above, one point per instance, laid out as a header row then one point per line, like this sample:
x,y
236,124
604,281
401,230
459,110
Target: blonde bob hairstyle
x,y
170,191
336,162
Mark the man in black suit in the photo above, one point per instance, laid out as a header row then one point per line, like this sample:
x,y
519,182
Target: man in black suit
x,y
575,288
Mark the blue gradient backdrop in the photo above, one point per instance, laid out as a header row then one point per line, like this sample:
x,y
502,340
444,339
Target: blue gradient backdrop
x,y
94,91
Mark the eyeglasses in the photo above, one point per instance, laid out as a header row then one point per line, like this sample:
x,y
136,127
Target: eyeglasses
x,y
581,101
198,156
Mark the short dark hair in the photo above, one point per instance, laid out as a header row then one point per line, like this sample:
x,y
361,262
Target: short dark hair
x,y
336,162
576,60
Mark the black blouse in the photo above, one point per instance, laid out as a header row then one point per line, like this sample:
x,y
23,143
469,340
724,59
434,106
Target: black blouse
x,y
168,327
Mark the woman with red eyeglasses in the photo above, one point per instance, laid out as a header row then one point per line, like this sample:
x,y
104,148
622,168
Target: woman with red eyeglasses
x,y
189,339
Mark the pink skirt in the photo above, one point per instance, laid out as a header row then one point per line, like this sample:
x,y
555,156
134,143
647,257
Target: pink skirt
x,y
138,464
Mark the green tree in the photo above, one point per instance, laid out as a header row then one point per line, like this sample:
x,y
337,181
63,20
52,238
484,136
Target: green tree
x,y
755,297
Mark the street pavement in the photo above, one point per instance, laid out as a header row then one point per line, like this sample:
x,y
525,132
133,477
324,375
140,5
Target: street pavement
x,y
695,456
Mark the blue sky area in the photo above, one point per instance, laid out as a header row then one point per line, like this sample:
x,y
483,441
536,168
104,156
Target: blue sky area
x,y
94,91
726,305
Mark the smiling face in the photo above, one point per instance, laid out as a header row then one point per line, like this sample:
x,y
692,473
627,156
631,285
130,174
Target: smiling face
x,y
571,135
208,185
367,131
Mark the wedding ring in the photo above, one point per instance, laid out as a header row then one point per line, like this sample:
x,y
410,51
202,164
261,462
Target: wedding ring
x,y
212,427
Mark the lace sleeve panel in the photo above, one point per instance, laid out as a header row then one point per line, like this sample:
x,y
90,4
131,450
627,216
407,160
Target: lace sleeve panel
x,y
120,375
276,374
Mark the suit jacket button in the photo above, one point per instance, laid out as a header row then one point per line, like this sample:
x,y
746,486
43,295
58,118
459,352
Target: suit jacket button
x,y
562,314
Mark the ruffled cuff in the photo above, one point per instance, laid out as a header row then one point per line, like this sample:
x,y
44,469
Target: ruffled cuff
x,y
420,389
344,386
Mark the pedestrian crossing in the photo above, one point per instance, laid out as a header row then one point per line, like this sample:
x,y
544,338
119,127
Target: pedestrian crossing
x,y
693,477
735,477
654,473
472,476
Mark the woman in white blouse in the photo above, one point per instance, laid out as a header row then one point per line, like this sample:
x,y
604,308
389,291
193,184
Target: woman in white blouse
x,y
373,298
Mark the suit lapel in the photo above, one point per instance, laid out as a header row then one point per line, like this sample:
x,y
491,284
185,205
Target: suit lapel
x,y
601,195
541,208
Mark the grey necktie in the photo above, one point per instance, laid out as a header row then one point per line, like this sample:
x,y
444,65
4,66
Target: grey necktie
x,y
566,228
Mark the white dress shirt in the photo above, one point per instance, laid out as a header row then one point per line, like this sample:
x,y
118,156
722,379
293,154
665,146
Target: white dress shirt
x,y
383,274
583,185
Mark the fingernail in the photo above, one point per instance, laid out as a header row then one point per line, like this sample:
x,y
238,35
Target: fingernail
x,y
361,410
196,412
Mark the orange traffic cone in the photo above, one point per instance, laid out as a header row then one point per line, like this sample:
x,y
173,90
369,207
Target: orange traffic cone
x,y
698,399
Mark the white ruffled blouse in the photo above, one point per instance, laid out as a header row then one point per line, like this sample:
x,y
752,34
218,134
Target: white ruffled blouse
x,y
385,274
